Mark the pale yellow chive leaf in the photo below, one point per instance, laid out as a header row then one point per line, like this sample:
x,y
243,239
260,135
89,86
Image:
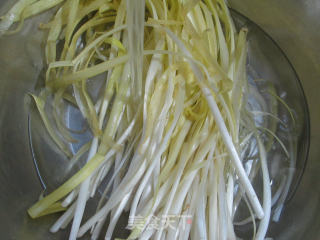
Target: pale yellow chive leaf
x,y
40,7
13,15
40,103
87,73
55,208
37,209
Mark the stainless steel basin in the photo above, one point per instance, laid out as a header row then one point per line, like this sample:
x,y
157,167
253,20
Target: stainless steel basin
x,y
295,27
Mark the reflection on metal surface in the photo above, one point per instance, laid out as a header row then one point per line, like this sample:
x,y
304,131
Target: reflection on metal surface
x,y
303,148
268,62
33,155
295,27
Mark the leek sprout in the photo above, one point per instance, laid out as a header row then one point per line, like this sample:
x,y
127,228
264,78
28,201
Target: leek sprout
x,y
171,122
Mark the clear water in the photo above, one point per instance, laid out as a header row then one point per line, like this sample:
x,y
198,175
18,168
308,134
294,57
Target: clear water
x,y
267,65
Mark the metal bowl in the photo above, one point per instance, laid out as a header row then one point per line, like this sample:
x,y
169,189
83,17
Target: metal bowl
x,y
293,26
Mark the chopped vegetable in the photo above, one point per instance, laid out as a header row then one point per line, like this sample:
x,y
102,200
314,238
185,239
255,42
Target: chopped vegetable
x,y
171,125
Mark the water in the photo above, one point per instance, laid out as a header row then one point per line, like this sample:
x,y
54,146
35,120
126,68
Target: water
x,y
270,74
